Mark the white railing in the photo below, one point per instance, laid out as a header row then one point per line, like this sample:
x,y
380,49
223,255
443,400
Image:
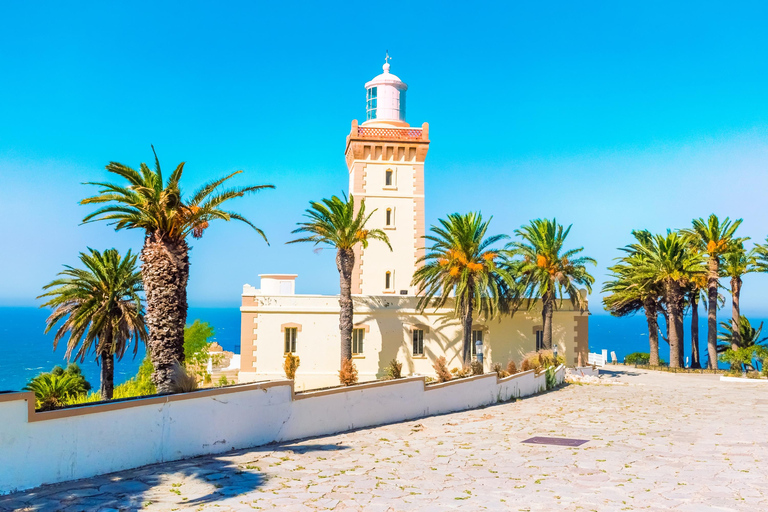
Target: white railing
x,y
597,359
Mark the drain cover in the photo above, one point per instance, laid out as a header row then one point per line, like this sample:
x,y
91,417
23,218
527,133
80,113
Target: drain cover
x,y
557,441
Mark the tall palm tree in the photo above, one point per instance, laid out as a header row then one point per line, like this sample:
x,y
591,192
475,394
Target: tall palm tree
x,y
714,238
334,222
149,203
735,264
669,261
462,260
694,291
100,307
547,271
629,292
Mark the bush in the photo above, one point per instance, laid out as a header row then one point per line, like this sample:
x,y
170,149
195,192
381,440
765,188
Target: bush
x,y
443,375
182,381
59,387
291,364
348,373
637,358
393,370
140,385
223,381
511,367
477,367
540,360
501,373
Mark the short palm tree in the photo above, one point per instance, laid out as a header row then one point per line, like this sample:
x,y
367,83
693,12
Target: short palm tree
x,y
335,223
548,272
461,262
629,292
149,203
737,262
668,260
742,339
54,390
713,238
100,307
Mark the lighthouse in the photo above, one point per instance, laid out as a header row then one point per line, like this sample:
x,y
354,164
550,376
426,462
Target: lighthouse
x,y
385,157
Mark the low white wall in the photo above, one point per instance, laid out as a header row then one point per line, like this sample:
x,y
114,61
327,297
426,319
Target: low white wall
x,y
591,371
68,444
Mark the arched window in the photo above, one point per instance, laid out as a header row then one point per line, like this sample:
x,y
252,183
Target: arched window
x,y
388,281
389,217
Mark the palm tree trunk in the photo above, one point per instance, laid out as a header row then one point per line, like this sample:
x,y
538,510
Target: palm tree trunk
x,y
546,316
107,375
107,364
736,315
695,329
467,324
653,330
712,282
675,322
681,339
345,262
165,272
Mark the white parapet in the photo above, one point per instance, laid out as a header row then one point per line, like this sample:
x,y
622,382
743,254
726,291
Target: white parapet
x,y
39,448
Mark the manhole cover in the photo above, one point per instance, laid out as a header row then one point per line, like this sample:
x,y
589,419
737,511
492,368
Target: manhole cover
x,y
557,441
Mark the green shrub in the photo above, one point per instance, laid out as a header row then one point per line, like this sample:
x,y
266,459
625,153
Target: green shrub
x,y
59,387
223,381
637,358
393,370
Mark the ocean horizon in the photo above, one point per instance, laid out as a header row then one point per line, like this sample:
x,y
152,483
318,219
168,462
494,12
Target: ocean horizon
x,y
27,351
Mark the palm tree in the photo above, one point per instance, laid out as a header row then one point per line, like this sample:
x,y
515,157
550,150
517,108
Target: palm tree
x,y
147,202
735,264
714,238
745,337
335,223
629,292
100,307
462,262
54,390
670,262
694,291
549,272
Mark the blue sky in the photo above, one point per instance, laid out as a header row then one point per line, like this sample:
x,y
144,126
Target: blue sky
x,y
611,116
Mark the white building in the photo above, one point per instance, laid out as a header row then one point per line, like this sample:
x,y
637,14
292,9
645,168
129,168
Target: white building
x,y
385,157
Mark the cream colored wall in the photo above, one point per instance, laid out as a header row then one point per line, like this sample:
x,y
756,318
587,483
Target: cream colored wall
x,y
377,258
389,320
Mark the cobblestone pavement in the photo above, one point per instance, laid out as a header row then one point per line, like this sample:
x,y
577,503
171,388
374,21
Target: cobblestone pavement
x,y
657,441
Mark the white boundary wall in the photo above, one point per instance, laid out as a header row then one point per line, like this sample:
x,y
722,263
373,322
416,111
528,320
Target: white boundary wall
x,y
39,448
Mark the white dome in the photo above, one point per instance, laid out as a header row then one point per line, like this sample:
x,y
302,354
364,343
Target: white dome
x,y
385,99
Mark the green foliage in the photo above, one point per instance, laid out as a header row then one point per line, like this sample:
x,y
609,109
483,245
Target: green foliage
x,y
547,271
336,222
56,388
749,336
549,375
746,356
223,381
637,358
196,346
462,260
98,305
140,385
393,370
148,204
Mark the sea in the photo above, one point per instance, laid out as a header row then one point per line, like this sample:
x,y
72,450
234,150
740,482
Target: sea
x,y
25,350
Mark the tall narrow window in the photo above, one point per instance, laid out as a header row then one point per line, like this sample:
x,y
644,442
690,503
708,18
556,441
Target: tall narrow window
x,y
389,217
370,103
290,339
539,340
418,342
477,336
389,176
388,281
357,341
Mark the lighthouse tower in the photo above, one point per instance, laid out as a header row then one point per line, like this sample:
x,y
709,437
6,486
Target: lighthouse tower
x,y
385,157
